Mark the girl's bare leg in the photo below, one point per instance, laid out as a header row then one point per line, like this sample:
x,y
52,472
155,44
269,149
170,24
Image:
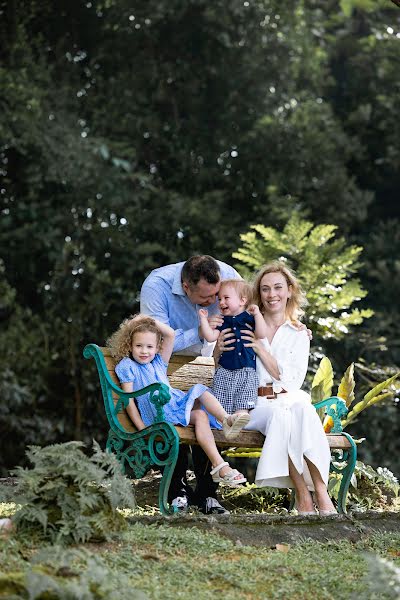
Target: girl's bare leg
x,y
304,502
213,406
321,493
205,438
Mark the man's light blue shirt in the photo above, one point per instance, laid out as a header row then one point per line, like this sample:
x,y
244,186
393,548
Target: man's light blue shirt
x,y
163,298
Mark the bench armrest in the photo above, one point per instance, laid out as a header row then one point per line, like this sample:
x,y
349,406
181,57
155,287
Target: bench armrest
x,y
335,408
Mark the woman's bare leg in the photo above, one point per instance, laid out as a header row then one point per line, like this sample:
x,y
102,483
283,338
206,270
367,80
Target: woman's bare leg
x,y
304,502
321,493
205,438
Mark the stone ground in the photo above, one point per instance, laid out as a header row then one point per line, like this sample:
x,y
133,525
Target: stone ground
x,y
262,529
268,530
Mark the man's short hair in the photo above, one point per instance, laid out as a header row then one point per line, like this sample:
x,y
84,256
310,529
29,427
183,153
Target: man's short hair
x,y
201,267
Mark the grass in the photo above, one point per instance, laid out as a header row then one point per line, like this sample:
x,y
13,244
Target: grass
x,y
163,561
169,562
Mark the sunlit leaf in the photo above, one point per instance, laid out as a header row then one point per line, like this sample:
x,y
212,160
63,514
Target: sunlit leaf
x,y
324,375
380,387
346,387
317,392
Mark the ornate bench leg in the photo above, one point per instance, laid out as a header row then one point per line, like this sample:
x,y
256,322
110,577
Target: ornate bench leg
x,y
157,446
165,508
350,456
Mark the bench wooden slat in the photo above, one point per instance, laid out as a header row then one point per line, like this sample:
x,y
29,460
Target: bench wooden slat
x,y
250,439
185,371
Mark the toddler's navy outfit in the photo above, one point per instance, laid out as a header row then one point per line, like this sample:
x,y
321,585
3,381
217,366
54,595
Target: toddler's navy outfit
x,y
235,381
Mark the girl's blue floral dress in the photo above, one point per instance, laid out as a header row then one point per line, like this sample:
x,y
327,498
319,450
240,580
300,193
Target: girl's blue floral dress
x,y
178,409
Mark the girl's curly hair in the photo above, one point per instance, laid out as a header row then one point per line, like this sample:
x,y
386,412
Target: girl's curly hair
x,y
120,342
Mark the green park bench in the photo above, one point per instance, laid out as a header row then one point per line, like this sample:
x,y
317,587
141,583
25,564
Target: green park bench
x,y
157,446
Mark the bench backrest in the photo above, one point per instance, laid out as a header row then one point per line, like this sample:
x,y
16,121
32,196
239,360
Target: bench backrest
x,y
122,415
183,372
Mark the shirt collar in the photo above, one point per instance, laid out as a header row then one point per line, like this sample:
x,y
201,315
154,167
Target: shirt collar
x,y
291,324
177,283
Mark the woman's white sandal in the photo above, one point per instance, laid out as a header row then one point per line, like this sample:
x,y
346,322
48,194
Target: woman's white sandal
x,y
228,478
328,513
238,422
307,513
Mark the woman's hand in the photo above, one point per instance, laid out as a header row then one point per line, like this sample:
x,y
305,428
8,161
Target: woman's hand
x,y
269,362
250,341
226,341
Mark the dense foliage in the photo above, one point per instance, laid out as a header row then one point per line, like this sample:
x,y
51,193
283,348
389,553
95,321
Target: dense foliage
x,y
135,134
69,496
325,267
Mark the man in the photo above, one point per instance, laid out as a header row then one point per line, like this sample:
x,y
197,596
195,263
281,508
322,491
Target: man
x,y
173,294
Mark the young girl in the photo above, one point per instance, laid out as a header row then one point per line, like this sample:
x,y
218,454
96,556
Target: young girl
x,y
143,347
235,381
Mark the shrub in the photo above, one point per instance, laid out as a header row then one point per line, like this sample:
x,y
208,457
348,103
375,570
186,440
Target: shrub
x,y
60,574
70,496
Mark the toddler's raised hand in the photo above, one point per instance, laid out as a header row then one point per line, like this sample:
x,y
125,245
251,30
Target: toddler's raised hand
x,y
203,312
253,309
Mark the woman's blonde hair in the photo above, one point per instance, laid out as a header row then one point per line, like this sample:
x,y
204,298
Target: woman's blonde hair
x,y
297,300
242,288
120,342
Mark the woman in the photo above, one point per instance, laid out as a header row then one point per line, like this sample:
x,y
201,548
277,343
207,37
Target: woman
x,y
296,452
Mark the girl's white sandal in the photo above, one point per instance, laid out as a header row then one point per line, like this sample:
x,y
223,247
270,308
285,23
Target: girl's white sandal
x,y
238,422
229,478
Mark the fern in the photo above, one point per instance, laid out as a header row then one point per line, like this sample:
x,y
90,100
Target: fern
x,y
70,496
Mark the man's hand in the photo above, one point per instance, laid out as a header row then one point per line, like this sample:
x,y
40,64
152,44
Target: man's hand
x,y
301,327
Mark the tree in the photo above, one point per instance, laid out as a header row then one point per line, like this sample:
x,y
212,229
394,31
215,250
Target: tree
x,y
136,134
325,267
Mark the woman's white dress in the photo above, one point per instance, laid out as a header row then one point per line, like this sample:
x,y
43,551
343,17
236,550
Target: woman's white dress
x,y
289,422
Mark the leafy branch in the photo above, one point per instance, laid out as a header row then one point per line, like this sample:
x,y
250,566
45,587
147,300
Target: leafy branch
x,y
325,266
322,388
